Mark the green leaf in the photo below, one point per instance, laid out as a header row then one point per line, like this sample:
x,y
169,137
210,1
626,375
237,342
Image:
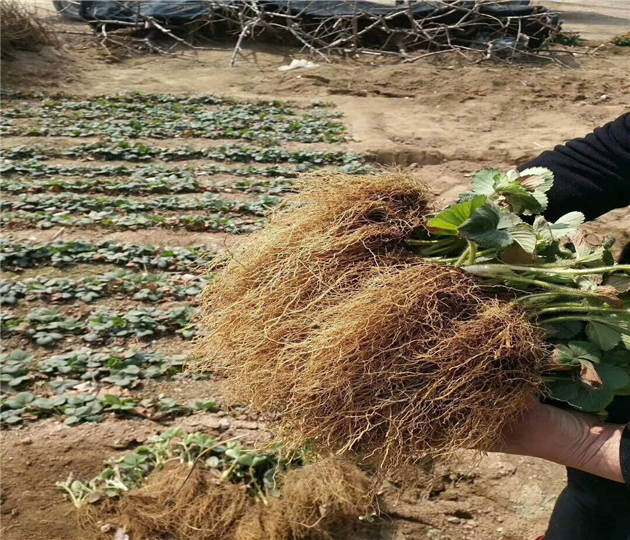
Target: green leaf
x,y
482,228
43,403
590,399
574,352
538,179
619,358
521,200
21,400
449,220
525,236
486,181
209,406
566,224
581,396
565,329
605,337
20,356
613,377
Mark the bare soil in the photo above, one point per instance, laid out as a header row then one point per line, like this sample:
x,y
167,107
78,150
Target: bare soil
x,y
445,120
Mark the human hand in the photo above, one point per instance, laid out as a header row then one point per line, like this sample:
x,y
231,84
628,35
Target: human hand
x,y
574,439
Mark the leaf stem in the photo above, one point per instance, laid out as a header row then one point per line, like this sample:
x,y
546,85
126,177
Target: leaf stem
x,y
487,271
463,257
414,242
586,317
550,296
571,271
472,255
579,308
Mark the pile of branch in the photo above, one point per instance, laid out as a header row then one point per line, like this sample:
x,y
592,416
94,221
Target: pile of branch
x,y
472,28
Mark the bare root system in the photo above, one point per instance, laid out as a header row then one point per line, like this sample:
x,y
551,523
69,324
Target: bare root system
x,y
323,322
316,500
205,508
320,501
310,256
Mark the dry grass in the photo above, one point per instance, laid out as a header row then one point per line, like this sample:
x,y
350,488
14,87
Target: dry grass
x,y
21,29
323,321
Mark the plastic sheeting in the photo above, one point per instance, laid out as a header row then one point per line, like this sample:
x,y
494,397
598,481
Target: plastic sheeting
x,y
177,12
355,23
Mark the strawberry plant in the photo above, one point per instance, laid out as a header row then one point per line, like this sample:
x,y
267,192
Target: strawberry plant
x,y
142,287
113,220
270,120
141,322
15,371
16,255
79,408
256,471
64,99
573,290
42,325
120,368
48,326
143,180
163,184
123,150
81,203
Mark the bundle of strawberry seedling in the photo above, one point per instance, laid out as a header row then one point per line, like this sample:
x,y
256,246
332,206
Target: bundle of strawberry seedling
x,y
363,322
572,290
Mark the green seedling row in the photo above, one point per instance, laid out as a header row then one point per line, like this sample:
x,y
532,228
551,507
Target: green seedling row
x,y
68,371
123,150
81,203
114,220
79,408
15,256
64,99
143,180
46,327
141,287
250,121
165,185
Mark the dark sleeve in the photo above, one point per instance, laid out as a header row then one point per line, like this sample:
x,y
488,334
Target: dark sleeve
x,y
592,174
625,454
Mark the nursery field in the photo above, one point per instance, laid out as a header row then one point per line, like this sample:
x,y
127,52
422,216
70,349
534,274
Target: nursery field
x,y
97,321
121,183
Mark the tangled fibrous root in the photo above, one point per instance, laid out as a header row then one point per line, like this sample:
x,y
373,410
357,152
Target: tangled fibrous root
x,y
204,508
351,345
309,256
419,363
320,501
316,500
